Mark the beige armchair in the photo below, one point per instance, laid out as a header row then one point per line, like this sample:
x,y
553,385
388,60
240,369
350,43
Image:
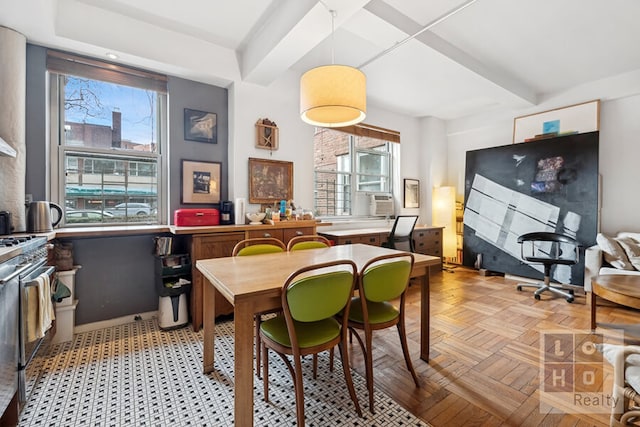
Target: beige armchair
x,y
626,383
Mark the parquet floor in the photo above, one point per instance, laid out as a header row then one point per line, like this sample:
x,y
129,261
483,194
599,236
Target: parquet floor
x,y
485,353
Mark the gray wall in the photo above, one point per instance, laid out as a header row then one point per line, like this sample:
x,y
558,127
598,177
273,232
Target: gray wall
x,y
117,274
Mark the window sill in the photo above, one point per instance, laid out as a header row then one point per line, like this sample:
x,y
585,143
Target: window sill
x,y
110,231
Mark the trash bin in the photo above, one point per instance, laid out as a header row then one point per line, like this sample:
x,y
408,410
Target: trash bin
x,y
174,283
172,311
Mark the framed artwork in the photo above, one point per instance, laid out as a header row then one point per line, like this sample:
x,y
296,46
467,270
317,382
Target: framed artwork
x,y
270,180
578,118
200,126
200,182
411,193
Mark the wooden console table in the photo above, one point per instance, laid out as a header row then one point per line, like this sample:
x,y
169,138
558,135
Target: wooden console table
x,y
217,241
617,288
428,240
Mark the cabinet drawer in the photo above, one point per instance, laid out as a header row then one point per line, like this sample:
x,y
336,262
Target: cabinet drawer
x,y
427,235
253,234
367,239
290,233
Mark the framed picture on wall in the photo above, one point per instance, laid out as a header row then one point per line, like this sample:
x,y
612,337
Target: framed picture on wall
x,y
270,180
200,182
200,126
411,193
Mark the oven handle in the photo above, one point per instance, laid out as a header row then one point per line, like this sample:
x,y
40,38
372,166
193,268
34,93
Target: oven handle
x,y
31,281
15,273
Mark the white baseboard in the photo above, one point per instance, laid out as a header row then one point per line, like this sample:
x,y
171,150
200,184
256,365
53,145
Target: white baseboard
x,y
114,322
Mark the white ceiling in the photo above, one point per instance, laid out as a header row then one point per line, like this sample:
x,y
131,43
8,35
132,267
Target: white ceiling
x,y
492,55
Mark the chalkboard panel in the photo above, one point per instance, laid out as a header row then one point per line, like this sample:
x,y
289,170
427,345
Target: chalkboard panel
x,y
546,185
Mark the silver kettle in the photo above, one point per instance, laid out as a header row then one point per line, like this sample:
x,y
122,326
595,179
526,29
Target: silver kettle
x,y
39,217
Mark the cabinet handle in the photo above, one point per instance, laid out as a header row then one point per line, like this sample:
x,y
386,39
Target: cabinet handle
x,y
372,239
299,233
267,234
347,242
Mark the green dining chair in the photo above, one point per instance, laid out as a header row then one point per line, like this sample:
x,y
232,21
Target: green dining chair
x,y
300,243
311,297
309,241
258,246
382,279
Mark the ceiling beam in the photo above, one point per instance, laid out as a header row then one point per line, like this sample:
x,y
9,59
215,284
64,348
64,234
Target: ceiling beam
x,y
287,33
496,76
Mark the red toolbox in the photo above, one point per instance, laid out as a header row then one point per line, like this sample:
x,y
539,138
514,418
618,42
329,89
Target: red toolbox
x,y
194,217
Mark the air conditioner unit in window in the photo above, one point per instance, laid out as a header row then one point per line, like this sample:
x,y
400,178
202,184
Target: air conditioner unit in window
x,y
381,205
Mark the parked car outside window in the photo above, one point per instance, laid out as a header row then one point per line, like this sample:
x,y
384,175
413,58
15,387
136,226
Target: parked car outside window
x,y
132,209
87,215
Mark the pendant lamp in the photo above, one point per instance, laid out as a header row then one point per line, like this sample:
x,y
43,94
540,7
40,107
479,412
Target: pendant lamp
x,y
333,95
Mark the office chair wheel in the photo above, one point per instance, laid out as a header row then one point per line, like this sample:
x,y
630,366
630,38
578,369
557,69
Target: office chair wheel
x,y
519,288
537,297
570,299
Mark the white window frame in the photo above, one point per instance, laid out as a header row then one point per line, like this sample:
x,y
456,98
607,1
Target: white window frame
x,y
391,153
57,150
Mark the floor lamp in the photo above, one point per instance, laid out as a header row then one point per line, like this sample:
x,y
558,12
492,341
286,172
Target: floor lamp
x,y
444,215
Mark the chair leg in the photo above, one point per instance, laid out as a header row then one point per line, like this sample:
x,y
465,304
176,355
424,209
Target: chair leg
x,y
405,350
331,360
368,359
315,366
257,321
347,377
265,376
297,382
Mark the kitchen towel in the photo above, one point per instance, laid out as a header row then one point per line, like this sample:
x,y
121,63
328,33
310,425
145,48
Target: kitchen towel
x,y
40,311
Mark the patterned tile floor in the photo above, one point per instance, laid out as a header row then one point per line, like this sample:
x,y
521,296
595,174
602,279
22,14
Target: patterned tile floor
x,y
138,375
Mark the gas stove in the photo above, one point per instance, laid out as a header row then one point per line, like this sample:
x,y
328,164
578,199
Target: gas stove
x,y
21,248
6,242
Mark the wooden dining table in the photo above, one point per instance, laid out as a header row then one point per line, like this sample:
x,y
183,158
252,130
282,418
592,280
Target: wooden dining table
x,y
253,284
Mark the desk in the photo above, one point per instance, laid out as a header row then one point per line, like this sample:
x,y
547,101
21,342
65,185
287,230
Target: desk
x,y
253,284
428,239
617,288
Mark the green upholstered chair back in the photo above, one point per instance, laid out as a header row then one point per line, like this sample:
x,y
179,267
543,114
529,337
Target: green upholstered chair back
x,y
311,241
259,249
307,245
313,294
386,278
258,246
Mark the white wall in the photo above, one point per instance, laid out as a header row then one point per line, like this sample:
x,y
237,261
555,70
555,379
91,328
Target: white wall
x,y
619,156
280,103
618,163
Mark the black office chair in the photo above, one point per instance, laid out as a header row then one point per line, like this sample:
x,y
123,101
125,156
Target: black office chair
x,y
546,248
401,235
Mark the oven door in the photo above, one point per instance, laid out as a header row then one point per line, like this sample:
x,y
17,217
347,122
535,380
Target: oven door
x,y
28,349
8,341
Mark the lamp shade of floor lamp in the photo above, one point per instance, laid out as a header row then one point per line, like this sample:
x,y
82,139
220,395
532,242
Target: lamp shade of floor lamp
x,y
444,215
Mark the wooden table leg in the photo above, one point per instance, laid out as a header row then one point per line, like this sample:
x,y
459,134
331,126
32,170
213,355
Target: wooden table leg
x,y
209,326
424,317
243,318
591,300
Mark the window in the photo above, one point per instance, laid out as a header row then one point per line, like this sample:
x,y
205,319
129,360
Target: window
x,y
349,165
109,124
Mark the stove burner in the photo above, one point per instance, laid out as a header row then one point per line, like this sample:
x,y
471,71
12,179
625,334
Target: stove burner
x,y
6,242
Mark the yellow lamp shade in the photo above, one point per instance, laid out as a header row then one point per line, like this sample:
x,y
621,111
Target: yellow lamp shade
x,y
333,96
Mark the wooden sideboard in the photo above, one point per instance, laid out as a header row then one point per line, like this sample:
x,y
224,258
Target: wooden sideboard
x,y
217,242
427,239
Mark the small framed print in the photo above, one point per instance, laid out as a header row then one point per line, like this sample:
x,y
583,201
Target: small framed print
x,y
200,126
411,193
200,182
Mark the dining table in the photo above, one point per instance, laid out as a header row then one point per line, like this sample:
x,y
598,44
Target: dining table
x,y
253,284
